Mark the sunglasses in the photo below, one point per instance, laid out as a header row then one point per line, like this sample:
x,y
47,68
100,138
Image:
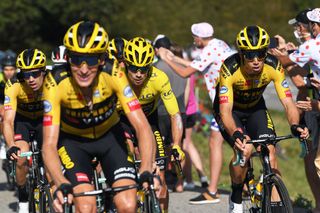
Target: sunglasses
x,y
90,60
251,55
33,74
135,69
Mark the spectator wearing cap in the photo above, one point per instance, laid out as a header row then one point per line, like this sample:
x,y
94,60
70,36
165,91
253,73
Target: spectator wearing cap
x,y
182,94
178,85
214,52
308,53
300,77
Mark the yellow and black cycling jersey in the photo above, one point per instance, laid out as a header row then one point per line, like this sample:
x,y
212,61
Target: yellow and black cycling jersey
x,y
21,98
2,86
157,86
245,91
65,105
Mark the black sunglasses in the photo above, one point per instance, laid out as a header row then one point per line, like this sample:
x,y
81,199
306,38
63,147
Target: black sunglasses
x,y
33,74
252,54
90,60
135,69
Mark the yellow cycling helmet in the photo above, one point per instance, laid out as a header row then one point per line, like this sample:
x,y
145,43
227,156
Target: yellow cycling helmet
x,y
31,59
253,38
116,47
86,37
138,52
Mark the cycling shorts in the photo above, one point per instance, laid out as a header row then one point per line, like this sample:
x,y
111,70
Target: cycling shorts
x,y
110,150
191,120
161,151
255,122
22,127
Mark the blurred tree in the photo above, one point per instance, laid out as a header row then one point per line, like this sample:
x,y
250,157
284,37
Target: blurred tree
x,y
42,23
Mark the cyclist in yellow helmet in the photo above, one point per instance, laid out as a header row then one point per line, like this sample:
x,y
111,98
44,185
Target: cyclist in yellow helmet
x,y
24,112
150,84
243,113
81,122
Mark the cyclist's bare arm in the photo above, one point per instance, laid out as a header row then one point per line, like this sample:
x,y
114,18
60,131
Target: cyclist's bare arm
x,y
227,118
50,153
176,128
145,138
8,126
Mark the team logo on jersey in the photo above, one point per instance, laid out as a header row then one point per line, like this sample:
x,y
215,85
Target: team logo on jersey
x,y
223,90
47,120
96,93
47,106
134,104
167,95
223,99
128,92
285,84
6,99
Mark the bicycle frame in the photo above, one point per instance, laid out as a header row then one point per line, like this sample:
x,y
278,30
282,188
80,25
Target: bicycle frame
x,y
37,177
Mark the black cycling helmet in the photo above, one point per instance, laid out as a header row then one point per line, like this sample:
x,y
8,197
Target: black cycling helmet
x,y
8,60
116,47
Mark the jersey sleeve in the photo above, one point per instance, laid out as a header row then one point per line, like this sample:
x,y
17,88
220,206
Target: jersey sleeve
x,y
127,100
51,101
226,87
302,55
167,95
11,93
280,82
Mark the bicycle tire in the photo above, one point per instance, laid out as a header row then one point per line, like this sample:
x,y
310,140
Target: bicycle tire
x,y
42,201
152,203
275,181
45,201
32,202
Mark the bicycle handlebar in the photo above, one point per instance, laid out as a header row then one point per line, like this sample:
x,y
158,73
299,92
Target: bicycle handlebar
x,y
177,163
113,190
240,160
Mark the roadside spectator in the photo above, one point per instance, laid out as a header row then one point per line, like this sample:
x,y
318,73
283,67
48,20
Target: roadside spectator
x,y
214,51
178,85
192,154
307,57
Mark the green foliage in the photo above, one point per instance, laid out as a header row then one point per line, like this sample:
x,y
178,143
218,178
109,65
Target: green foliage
x,y
302,202
42,23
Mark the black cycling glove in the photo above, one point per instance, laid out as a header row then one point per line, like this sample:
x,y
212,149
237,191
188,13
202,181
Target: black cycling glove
x,y
294,129
65,188
11,150
238,135
145,177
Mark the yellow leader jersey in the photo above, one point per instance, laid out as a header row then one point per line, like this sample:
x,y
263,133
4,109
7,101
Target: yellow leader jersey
x,y
157,86
65,105
245,91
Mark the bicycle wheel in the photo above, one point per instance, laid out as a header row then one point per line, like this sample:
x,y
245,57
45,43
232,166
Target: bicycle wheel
x,y
274,191
32,202
45,201
152,204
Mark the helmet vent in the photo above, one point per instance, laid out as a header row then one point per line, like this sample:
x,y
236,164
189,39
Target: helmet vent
x,y
130,58
143,56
